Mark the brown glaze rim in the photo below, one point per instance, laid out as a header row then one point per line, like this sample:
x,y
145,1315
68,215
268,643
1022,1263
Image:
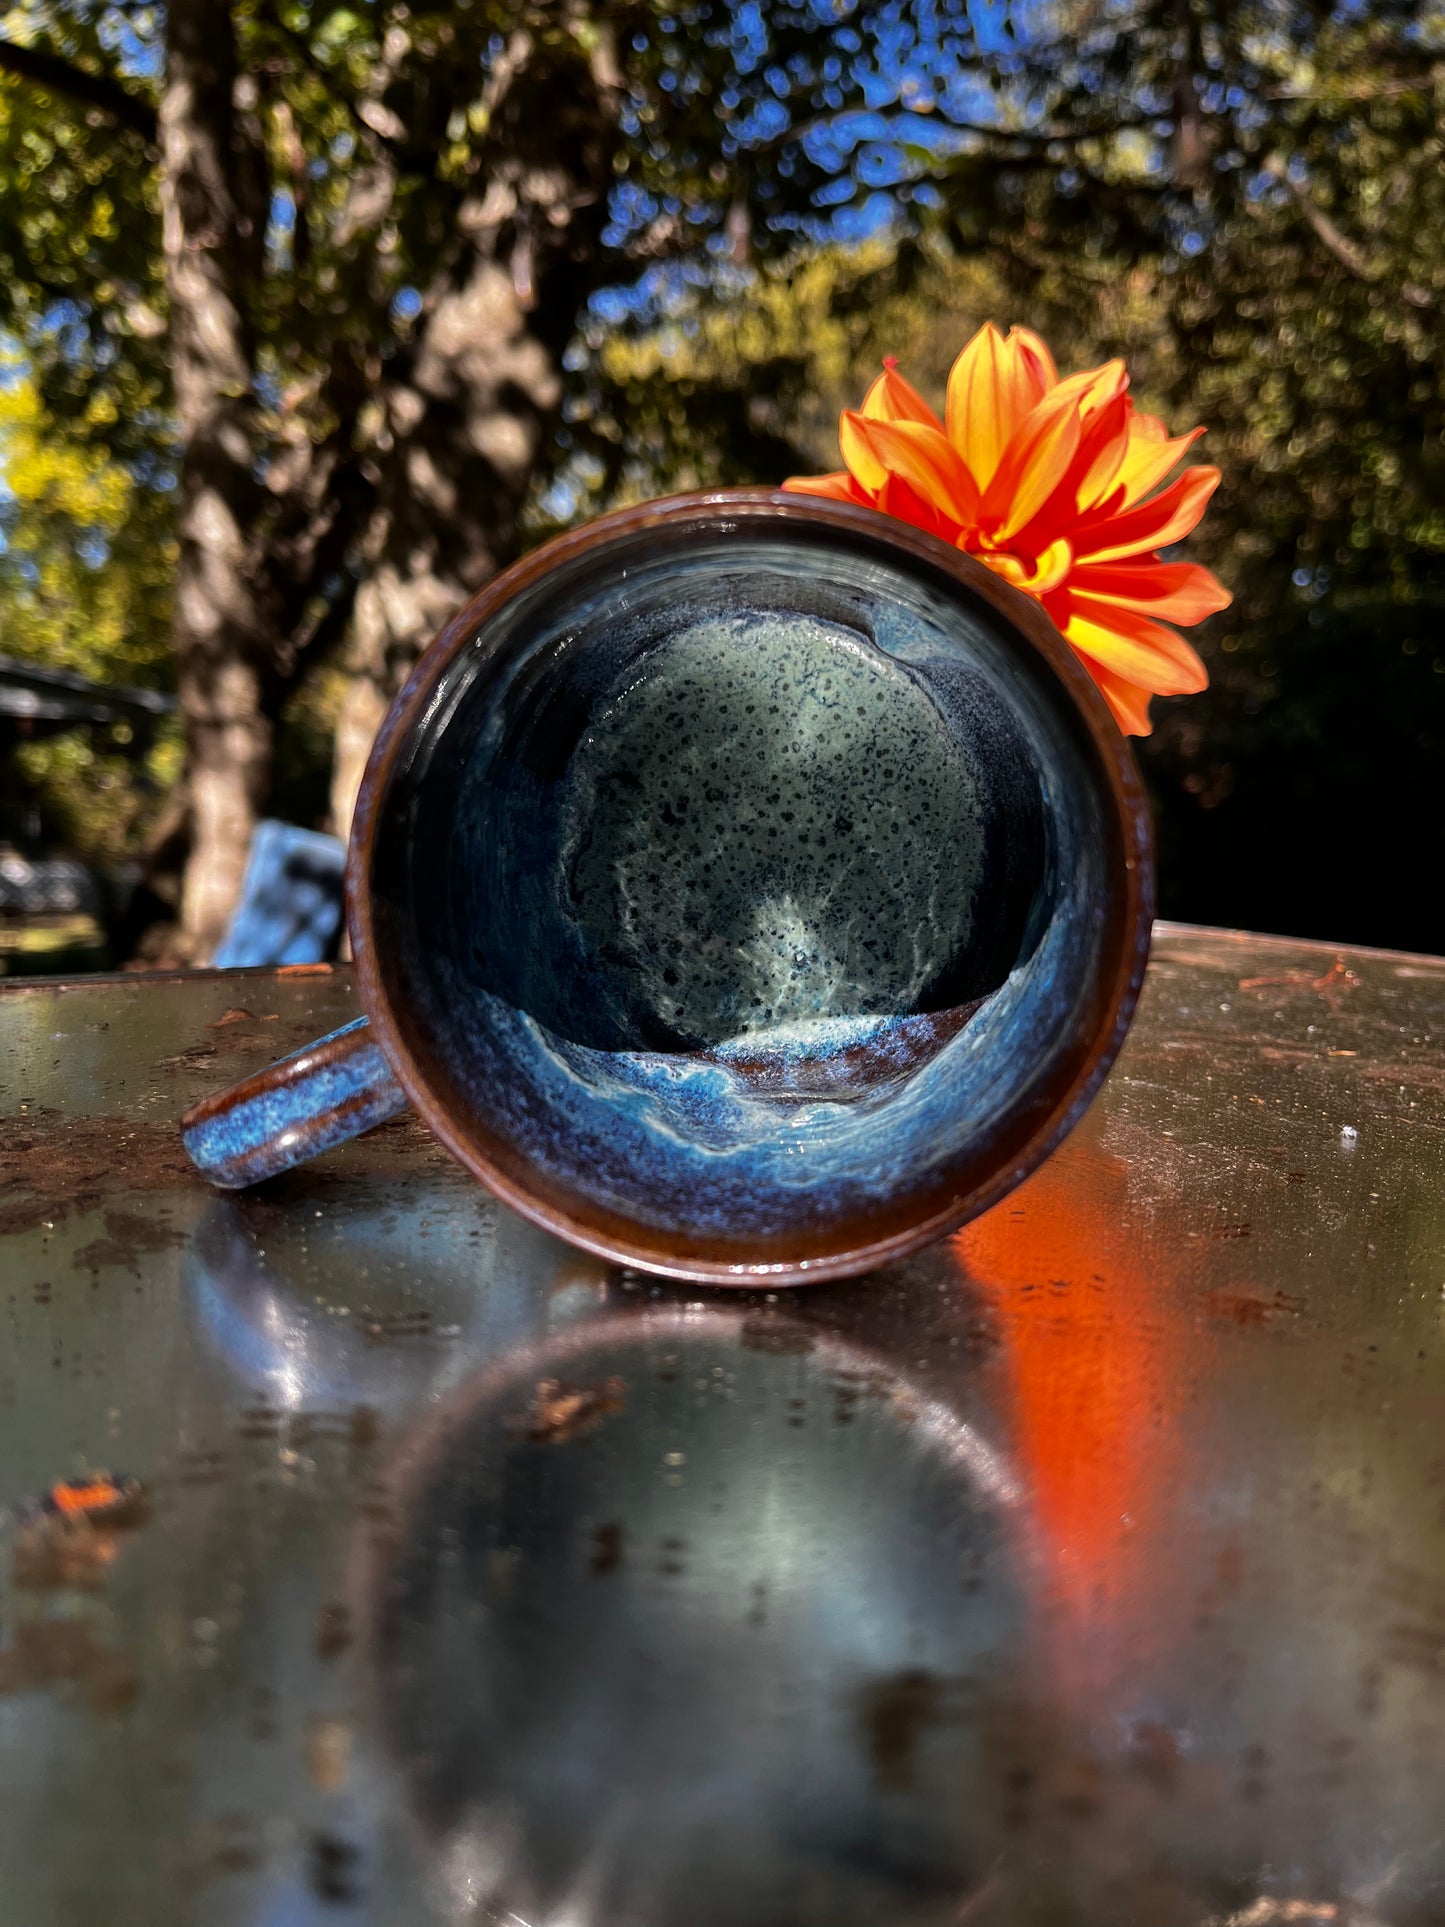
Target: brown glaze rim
x,y
1041,1123
301,1064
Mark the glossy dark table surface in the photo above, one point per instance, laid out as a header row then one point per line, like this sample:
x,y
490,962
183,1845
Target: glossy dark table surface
x,y
1089,1568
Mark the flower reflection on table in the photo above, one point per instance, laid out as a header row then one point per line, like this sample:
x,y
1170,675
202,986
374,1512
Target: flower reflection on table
x,y
1194,1742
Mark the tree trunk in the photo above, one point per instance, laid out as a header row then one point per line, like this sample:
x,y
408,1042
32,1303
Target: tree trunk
x,y
225,650
470,424
471,418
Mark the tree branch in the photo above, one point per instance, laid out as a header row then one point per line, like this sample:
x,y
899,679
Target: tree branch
x,y
1060,136
312,568
1056,136
320,628
306,54
1350,256
60,76
1363,90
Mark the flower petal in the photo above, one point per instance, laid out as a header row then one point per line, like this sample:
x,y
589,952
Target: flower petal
x,y
892,399
925,459
1101,398
1093,388
1035,351
992,387
898,497
1178,591
1128,701
1035,463
1038,577
1150,525
838,487
1103,448
1130,644
1150,458
866,468
1088,478
1150,428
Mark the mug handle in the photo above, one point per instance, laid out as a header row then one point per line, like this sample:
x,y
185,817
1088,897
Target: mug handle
x,y
312,1101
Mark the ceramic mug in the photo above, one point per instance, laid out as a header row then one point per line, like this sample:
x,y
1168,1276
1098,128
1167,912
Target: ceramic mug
x,y
747,887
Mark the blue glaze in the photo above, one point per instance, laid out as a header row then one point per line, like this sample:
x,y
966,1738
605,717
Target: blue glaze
x,y
305,1109
650,1131
540,894
290,906
740,890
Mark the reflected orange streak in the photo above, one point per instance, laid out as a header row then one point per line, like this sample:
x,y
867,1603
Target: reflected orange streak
x,y
1091,1343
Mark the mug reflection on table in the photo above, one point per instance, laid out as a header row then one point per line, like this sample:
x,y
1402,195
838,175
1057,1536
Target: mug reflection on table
x,y
690,1616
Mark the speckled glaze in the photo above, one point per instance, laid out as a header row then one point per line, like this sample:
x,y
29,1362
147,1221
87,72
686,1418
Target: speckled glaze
x,y
776,825
744,886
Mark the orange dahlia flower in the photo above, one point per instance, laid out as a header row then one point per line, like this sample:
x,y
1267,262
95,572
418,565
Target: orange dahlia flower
x,y
1062,488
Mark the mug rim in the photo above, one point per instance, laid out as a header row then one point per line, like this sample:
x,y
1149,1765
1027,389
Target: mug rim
x,y
1069,1084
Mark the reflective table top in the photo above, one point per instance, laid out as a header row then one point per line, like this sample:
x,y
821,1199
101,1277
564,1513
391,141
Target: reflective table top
x,y
402,1566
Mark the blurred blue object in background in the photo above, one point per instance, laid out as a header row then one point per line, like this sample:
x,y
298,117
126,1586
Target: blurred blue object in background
x,y
290,908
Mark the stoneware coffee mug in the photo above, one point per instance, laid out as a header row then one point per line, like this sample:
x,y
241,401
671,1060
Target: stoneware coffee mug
x,y
745,886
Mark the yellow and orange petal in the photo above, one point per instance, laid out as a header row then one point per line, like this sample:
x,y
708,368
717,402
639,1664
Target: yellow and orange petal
x,y
1176,591
993,387
892,399
1039,456
1059,486
912,452
1128,701
1150,455
837,487
1153,524
1133,646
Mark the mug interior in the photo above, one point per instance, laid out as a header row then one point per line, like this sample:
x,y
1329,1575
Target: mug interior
x,y
740,887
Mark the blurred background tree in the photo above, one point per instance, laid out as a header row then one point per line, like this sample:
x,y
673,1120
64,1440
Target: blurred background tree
x,y
344,305
86,559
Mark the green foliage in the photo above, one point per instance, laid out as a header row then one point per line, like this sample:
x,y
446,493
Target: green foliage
x,y
367,127
742,378
1243,199
81,279
1294,302
85,565
1289,294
